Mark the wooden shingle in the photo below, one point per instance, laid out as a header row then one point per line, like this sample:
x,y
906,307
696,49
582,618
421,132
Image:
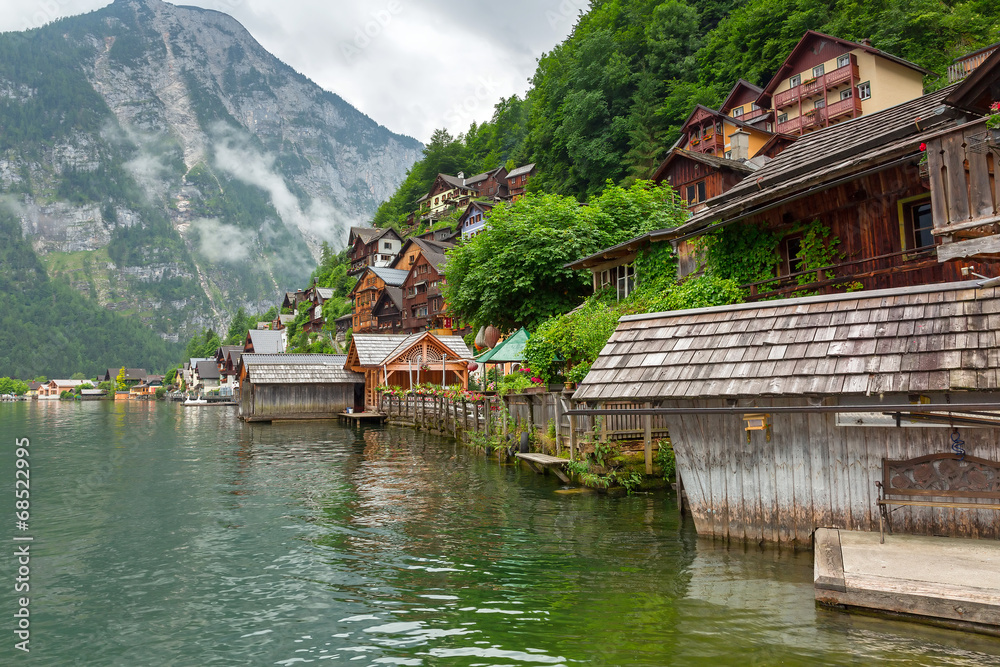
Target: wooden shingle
x,y
920,339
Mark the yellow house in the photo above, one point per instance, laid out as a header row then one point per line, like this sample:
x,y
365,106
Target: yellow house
x,y
826,80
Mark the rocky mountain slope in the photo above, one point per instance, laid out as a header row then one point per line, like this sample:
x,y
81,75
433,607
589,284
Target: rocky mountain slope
x,y
167,166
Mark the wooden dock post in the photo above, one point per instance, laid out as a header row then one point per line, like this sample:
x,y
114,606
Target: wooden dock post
x,y
557,409
647,439
572,432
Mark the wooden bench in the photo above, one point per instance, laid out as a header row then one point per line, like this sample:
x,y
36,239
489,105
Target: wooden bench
x,y
937,480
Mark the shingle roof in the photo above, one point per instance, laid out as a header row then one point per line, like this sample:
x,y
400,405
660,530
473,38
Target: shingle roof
x,y
705,159
521,170
369,234
301,369
932,338
393,294
374,349
393,277
287,359
208,370
266,342
325,293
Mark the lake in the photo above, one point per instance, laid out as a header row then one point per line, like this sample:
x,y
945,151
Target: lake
x,y
165,535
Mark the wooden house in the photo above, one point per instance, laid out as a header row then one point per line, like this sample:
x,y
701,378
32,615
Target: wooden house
x,y
965,65
473,220
517,181
297,386
827,80
712,132
424,308
372,247
863,182
445,195
388,311
227,371
698,177
146,390
408,360
343,324
782,414
366,292
133,376
741,104
489,185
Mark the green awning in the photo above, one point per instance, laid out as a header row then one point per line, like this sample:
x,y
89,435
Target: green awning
x,y
507,352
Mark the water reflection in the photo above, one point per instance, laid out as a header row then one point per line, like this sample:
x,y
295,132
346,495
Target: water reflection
x,y
182,536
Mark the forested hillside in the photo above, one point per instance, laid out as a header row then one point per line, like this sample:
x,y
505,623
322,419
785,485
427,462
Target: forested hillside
x,y
609,101
47,327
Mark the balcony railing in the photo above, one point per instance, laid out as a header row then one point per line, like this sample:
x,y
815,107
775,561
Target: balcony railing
x,y
965,190
824,82
714,143
963,68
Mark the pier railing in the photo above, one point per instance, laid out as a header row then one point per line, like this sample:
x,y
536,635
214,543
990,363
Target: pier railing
x,y
542,412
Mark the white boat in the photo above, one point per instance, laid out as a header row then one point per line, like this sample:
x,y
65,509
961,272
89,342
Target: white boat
x,y
195,401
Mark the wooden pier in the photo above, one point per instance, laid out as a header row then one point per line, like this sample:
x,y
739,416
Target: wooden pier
x,y
951,582
359,418
542,463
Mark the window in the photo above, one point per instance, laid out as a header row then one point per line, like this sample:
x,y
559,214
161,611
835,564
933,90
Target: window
x,y
729,155
864,90
817,71
819,104
737,112
790,259
916,222
690,194
696,193
626,280
795,80
387,245
782,118
846,94
701,191
844,60
754,107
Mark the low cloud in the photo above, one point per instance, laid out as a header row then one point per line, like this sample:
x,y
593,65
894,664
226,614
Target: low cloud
x,y
236,156
220,242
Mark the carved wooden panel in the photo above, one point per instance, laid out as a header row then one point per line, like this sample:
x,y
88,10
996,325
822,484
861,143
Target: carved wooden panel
x,y
943,475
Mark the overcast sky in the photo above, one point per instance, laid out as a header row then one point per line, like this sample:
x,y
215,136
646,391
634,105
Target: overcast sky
x,y
412,65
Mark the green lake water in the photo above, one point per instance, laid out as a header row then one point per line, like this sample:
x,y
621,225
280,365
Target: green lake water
x,y
166,535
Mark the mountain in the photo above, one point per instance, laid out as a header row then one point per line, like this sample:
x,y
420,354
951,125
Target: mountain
x,y
168,168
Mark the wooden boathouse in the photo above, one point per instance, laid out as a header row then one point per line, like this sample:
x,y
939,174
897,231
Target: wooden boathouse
x,y
297,386
401,360
782,414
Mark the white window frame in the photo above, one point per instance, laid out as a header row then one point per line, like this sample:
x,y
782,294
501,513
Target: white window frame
x,y
846,94
795,81
737,112
862,88
844,60
819,71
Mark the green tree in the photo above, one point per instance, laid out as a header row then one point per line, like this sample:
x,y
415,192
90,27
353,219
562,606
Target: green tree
x,y
12,386
120,384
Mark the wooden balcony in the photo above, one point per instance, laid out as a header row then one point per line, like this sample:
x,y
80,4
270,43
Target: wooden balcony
x,y
847,74
714,143
850,106
793,126
965,190
965,66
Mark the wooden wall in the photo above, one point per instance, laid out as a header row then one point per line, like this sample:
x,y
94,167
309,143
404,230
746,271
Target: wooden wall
x,y
265,402
811,474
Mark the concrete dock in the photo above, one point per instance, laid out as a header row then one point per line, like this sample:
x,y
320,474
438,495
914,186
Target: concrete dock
x,y
944,581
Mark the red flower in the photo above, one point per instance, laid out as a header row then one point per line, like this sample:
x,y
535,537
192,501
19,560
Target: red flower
x,y
923,146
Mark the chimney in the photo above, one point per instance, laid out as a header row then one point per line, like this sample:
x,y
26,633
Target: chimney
x,y
739,145
865,42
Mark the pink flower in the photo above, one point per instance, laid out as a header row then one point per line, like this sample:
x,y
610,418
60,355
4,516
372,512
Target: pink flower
x,y
923,146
